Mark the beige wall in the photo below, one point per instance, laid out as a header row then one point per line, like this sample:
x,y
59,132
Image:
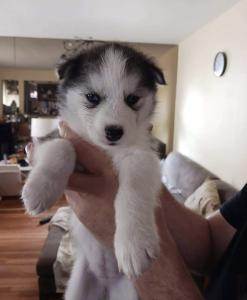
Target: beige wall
x,y
166,57
211,112
22,75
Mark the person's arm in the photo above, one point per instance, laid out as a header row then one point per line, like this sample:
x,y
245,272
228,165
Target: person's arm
x,y
168,277
200,241
221,234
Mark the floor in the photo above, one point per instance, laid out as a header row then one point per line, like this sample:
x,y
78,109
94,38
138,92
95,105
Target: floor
x,y
21,238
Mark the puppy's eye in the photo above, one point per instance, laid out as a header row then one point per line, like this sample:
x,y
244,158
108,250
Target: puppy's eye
x,y
131,100
93,98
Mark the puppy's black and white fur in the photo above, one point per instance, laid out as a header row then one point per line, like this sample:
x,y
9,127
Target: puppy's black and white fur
x,y
107,97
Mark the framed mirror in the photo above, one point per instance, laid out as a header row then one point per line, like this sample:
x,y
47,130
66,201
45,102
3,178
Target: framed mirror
x,y
11,97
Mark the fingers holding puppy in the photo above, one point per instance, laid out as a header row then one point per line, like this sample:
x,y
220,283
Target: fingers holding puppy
x,y
93,159
98,172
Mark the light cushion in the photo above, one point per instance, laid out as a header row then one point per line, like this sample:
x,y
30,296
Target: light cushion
x,y
205,199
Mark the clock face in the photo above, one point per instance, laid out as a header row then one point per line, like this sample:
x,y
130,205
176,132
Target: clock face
x,y
220,64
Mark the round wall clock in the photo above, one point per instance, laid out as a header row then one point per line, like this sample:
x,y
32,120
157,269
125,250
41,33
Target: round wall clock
x,y
220,62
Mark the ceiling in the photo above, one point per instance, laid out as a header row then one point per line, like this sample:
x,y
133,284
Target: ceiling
x,y
146,21
53,22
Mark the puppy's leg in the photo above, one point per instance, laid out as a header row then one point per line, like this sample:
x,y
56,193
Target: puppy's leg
x,y
136,237
122,289
82,284
54,162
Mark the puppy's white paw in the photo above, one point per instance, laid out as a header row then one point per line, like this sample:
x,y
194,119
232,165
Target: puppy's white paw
x,y
134,250
40,191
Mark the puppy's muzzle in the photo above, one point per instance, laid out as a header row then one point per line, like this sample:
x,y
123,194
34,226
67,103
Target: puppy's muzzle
x,y
113,133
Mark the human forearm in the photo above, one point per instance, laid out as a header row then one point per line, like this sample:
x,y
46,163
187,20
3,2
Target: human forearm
x,y
168,277
190,232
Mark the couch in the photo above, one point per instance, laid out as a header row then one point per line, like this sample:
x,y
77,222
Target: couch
x,y
44,266
181,175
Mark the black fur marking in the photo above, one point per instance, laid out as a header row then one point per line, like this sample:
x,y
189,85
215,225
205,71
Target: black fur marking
x,y
137,62
74,70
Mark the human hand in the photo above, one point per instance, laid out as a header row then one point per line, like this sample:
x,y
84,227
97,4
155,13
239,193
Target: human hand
x,y
29,152
91,193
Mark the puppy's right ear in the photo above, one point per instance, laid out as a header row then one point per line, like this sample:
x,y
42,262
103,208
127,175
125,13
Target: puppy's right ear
x,y
61,66
68,65
158,75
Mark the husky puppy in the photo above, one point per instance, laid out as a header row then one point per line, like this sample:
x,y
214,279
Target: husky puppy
x,y
107,97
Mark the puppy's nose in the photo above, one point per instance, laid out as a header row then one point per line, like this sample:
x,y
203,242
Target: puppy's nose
x,y
113,132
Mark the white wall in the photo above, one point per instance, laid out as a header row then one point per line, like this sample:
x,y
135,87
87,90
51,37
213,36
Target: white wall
x,y
211,112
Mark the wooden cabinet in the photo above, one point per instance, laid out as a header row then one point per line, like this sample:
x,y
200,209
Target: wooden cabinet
x,y
41,98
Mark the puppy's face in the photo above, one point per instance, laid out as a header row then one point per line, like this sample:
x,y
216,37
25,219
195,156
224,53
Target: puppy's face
x,y
109,94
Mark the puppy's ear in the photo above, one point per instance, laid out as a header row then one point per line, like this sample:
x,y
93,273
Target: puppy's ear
x,y
67,65
61,66
157,75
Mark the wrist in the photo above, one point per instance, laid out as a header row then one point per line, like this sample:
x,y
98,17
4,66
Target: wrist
x,y
167,276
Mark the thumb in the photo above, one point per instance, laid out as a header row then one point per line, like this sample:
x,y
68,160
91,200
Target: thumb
x,y
89,156
85,183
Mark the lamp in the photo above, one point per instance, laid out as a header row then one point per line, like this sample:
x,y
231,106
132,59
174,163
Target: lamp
x,y
40,127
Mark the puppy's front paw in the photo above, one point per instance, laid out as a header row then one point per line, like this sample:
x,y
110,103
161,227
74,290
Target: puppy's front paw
x,y
134,250
40,192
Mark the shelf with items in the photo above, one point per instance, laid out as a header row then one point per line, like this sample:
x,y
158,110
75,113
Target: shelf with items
x,y
41,98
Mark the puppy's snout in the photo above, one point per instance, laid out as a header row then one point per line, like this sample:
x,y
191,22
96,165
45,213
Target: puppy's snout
x,y
113,132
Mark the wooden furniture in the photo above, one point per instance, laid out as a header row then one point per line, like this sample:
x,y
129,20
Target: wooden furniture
x,y
41,98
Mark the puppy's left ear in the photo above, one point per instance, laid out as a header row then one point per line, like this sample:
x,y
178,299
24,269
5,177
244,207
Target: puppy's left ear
x,y
68,65
158,75
61,66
